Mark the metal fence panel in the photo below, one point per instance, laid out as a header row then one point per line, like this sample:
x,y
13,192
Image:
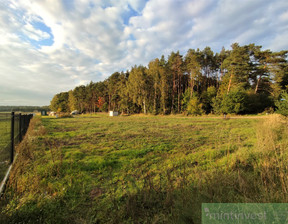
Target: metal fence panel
x,y
12,129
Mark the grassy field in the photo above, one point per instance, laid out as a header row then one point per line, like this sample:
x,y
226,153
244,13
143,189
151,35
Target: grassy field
x,y
5,124
144,169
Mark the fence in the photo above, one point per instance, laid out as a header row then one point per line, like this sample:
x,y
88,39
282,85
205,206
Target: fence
x,y
12,129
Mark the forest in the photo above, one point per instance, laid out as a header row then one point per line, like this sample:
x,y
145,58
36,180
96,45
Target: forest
x,y
243,80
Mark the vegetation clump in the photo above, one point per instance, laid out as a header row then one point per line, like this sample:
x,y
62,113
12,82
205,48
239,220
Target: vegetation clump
x,y
282,104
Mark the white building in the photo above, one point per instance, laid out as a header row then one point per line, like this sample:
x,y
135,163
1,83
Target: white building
x,y
113,113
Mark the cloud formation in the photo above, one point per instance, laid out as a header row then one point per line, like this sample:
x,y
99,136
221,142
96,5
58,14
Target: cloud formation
x,y
51,46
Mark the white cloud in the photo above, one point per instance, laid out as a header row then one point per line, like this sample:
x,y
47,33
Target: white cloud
x,y
33,33
93,39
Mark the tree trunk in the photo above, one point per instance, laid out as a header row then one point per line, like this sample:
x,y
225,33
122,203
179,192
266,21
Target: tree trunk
x,y
179,92
144,107
178,109
192,86
229,85
221,72
230,81
109,104
257,85
173,96
155,99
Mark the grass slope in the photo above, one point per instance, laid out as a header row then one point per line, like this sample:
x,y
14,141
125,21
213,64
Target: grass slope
x,y
144,169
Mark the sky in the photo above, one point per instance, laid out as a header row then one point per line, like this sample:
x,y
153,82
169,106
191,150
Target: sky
x,y
51,46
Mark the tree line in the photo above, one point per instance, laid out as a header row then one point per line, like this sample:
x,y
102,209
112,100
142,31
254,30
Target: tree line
x,y
243,80
23,108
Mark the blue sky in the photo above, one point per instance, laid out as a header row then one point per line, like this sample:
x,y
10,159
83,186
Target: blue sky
x,y
49,46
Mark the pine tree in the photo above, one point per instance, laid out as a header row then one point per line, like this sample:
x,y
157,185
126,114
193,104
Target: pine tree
x,y
71,101
139,86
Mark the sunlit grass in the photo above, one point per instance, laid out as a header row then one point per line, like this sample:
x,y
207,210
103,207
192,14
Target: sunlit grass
x,y
140,169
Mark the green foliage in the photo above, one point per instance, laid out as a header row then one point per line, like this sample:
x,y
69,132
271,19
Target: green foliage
x,y
193,66
80,93
157,72
282,104
113,85
72,104
138,86
185,99
194,106
176,67
232,103
257,103
59,103
161,86
207,98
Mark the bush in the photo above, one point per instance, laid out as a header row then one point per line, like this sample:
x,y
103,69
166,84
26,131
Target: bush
x,y
194,107
207,98
65,115
282,104
232,103
257,103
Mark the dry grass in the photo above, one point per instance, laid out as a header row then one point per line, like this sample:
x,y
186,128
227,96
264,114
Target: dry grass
x,y
272,148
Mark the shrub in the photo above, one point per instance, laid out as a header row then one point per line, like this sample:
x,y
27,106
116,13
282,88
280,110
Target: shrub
x,y
207,98
232,103
65,115
282,104
194,106
257,103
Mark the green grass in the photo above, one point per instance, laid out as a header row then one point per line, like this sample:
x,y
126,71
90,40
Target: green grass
x,y
143,169
4,143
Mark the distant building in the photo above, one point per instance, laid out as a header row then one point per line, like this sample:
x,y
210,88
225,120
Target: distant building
x,y
74,112
52,113
113,113
43,112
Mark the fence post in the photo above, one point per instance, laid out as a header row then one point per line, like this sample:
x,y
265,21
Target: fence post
x,y
12,137
20,127
26,123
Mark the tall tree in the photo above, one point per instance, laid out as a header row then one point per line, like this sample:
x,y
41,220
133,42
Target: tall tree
x,y
59,103
238,68
71,101
125,102
139,86
175,62
193,66
113,90
278,69
154,71
209,66
164,85
220,58
80,96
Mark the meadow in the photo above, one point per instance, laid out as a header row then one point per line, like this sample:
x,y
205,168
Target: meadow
x,y
4,143
144,169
